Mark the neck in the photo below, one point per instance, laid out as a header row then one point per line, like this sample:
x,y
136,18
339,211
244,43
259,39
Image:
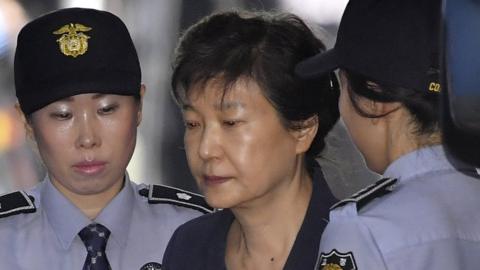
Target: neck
x,y
90,204
263,234
400,142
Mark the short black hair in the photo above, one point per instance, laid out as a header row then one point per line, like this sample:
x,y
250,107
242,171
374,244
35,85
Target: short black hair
x,y
423,106
264,47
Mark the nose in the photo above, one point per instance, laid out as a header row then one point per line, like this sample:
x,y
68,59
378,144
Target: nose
x,y
210,146
87,136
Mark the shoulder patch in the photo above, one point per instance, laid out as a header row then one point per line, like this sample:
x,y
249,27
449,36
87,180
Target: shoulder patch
x,y
365,195
170,195
335,260
15,203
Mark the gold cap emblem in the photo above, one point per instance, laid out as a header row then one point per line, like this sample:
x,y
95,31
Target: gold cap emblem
x,y
73,41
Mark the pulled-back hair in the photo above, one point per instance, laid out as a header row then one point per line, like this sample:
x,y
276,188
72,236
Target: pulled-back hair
x,y
423,106
264,47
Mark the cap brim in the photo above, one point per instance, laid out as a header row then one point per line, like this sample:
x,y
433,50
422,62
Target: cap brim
x,y
318,65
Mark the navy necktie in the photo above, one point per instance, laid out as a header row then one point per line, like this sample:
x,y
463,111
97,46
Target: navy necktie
x,y
95,237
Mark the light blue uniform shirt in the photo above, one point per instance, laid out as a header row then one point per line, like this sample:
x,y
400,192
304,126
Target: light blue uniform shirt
x,y
48,238
428,219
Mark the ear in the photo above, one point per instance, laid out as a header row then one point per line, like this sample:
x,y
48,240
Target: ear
x,y
26,124
305,135
143,89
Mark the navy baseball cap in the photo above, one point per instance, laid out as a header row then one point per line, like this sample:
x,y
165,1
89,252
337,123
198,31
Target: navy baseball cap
x,y
391,41
74,51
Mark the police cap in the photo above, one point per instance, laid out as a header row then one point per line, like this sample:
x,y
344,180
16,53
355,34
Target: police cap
x,y
74,51
389,41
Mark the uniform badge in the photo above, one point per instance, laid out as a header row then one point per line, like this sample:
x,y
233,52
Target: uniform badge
x,y
184,196
335,260
151,266
73,41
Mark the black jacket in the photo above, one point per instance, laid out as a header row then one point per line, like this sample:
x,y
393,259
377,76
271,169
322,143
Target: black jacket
x,y
200,243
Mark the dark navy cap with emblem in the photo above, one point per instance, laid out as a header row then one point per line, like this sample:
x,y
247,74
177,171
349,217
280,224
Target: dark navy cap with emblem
x,y
74,51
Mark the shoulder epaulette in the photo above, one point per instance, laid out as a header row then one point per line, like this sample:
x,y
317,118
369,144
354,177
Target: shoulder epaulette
x,y
365,195
176,196
15,203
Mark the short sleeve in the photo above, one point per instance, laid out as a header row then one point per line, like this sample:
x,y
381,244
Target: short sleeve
x,y
348,243
441,254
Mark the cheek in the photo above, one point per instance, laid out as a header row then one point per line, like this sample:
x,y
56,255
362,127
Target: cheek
x,y
255,154
53,142
120,134
191,143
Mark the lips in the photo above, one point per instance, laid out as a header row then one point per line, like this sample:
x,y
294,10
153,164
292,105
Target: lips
x,y
89,167
215,180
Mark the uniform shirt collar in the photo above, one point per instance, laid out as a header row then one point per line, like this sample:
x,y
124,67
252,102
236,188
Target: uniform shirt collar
x,y
117,215
64,217
67,220
421,161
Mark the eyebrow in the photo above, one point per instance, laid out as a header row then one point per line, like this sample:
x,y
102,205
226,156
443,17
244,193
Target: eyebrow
x,y
222,106
97,96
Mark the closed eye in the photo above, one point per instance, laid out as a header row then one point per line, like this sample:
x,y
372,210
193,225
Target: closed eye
x,y
231,123
191,124
61,115
107,109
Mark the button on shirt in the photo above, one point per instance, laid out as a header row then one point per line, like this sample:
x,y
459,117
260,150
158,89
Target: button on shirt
x,y
200,244
429,221
48,238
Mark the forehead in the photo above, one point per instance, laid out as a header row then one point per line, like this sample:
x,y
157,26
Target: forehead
x,y
222,95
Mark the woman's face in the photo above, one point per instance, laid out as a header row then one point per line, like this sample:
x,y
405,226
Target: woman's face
x,y
238,150
87,140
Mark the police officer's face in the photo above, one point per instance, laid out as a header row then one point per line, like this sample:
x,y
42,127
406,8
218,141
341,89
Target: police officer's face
x,y
86,141
238,151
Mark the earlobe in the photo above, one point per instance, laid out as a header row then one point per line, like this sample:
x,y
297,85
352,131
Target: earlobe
x,y
306,134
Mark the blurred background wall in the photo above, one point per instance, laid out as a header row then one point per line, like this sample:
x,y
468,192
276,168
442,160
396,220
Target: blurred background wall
x,y
155,26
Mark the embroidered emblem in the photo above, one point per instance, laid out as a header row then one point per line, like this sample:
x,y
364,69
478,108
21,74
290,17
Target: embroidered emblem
x,y
73,41
151,266
335,260
184,196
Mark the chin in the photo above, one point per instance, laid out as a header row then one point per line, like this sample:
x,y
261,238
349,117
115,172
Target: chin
x,y
216,203
220,202
93,187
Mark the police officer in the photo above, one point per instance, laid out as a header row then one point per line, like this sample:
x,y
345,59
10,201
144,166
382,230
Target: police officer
x,y
77,78
424,213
